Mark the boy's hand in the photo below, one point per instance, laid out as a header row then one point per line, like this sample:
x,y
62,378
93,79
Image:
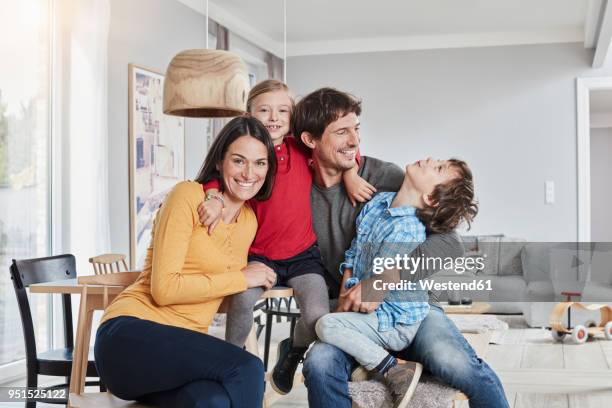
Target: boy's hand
x,y
350,301
210,214
357,189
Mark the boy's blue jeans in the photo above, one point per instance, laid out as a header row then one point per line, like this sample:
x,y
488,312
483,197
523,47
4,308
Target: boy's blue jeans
x,y
357,334
438,345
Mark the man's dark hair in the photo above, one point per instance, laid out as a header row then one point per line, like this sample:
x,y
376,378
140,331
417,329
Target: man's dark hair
x,y
236,128
320,108
453,202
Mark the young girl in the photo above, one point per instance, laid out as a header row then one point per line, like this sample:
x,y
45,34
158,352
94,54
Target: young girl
x,y
285,239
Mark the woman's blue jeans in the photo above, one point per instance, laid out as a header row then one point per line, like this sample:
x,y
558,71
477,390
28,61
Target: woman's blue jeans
x,y
438,345
175,367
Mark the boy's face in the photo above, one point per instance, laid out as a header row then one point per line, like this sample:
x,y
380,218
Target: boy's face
x,y
425,175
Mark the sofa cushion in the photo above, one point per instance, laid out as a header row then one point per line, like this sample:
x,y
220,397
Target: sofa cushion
x,y
535,260
510,256
507,288
569,263
488,247
600,271
597,292
540,291
470,243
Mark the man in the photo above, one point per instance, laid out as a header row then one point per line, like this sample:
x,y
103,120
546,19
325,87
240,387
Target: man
x,y
327,122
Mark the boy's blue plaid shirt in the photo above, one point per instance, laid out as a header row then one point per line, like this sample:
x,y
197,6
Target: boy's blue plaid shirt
x,y
384,232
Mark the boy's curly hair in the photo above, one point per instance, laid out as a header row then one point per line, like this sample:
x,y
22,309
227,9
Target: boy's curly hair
x,y
453,202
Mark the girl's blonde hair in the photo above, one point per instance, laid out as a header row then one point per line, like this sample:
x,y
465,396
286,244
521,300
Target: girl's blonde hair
x,y
269,85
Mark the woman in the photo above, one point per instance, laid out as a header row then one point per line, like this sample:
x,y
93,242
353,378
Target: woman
x,y
153,344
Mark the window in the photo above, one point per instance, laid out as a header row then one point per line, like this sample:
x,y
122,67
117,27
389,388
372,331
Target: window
x,y
24,162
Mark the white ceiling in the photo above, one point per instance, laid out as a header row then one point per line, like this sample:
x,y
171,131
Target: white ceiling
x,y
317,20
336,26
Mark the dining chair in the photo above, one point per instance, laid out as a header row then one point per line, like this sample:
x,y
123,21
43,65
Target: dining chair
x,y
108,263
55,362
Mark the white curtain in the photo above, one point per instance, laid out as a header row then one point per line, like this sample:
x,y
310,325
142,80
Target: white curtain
x,y
87,155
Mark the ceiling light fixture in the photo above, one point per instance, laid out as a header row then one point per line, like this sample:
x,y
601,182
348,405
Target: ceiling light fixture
x,y
203,83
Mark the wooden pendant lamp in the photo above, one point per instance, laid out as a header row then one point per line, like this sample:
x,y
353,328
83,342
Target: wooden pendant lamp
x,y
203,83
206,84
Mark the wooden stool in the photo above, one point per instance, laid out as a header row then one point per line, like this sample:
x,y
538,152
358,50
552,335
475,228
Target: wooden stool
x,y
106,287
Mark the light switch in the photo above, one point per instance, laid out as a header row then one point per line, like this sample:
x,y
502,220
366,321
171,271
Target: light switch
x,y
549,192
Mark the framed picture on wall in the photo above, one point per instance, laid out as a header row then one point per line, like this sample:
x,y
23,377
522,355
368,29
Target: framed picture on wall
x,y
157,156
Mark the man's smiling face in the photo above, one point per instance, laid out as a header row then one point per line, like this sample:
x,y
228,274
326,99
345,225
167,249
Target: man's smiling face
x,y
338,145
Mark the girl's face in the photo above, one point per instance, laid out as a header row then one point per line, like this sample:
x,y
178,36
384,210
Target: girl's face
x,y
244,168
273,109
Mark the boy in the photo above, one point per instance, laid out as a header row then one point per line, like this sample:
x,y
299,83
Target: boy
x,y
435,197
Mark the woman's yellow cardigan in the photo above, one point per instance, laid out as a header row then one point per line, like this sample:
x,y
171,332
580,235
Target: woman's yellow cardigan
x,y
187,272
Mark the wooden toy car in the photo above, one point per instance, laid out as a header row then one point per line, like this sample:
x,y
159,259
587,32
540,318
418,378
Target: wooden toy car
x,y
580,333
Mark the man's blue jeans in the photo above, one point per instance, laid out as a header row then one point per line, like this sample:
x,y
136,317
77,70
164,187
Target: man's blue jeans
x,y
438,345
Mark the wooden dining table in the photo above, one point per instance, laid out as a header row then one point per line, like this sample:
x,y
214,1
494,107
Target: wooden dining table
x,y
97,298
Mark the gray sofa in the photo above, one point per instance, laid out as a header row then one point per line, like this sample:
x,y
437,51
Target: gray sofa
x,y
528,278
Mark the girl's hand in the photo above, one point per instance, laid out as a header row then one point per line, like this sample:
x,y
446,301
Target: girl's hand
x,y
357,189
210,214
258,274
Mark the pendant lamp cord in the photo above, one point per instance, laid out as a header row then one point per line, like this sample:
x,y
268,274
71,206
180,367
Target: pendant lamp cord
x,y
206,24
284,41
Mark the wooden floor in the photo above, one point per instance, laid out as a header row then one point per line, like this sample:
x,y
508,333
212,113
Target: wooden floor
x,y
559,368
586,367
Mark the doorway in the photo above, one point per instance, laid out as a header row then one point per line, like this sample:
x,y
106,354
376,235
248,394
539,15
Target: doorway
x,y
594,130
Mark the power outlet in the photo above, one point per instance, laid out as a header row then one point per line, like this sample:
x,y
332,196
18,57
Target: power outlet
x,y
549,192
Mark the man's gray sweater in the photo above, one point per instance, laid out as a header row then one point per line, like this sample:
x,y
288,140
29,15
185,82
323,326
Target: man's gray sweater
x,y
334,224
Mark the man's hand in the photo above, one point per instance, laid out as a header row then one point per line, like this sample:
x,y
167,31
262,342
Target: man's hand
x,y
210,214
350,301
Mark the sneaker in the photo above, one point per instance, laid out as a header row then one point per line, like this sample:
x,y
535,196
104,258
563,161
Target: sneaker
x,y
288,358
401,380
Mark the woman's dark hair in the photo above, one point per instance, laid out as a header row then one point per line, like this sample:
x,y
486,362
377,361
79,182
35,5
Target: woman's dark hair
x,y
453,202
236,128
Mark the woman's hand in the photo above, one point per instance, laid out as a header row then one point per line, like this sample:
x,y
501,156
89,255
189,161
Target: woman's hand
x,y
210,214
357,189
258,274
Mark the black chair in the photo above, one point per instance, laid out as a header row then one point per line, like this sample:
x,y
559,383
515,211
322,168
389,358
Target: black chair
x,y
56,362
279,307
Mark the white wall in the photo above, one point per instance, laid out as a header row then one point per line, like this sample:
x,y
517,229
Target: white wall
x,y
147,33
510,112
601,188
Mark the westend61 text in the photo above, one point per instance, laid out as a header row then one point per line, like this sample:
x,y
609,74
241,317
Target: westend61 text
x,y
482,284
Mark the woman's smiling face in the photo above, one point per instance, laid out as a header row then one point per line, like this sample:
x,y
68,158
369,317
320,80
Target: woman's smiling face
x,y
244,168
